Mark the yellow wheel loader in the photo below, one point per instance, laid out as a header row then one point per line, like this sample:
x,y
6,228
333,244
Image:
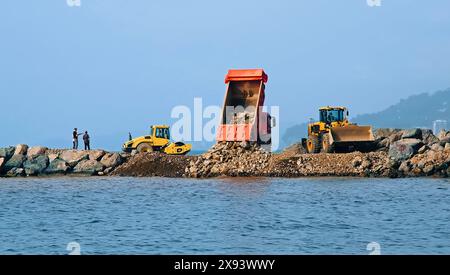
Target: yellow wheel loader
x,y
157,141
334,133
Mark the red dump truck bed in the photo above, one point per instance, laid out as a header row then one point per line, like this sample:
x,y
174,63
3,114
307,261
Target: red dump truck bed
x,y
241,111
246,75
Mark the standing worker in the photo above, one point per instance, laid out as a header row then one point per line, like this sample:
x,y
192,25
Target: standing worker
x,y
75,138
86,140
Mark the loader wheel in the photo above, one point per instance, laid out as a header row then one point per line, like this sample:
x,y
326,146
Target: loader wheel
x,y
326,147
313,145
144,147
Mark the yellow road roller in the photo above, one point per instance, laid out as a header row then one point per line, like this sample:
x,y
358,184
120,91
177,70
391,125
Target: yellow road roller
x,y
158,140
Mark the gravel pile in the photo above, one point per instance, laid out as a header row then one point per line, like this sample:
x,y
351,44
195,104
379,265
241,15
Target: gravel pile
x,y
229,159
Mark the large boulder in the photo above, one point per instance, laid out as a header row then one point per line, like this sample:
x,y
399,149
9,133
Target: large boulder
x,y
106,171
404,167
447,147
414,142
428,137
36,150
111,160
16,172
88,167
15,161
443,134
57,166
412,133
423,149
404,149
437,147
73,157
429,169
395,137
2,163
7,152
125,155
383,143
385,136
381,133
96,154
21,149
35,165
443,141
52,156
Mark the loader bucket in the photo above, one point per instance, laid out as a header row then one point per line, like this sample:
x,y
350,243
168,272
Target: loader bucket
x,y
352,138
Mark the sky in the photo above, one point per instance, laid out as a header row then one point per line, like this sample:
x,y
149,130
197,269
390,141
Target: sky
x,y
114,66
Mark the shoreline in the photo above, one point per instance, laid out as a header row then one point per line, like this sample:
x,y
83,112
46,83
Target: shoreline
x,y
225,178
397,154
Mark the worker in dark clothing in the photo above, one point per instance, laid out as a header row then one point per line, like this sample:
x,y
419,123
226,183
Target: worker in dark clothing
x,y
75,138
86,140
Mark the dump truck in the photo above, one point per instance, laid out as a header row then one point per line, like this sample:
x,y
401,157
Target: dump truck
x,y
158,140
243,118
334,133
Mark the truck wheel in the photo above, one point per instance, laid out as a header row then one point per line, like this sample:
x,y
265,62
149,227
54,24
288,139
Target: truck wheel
x,y
313,145
326,146
144,147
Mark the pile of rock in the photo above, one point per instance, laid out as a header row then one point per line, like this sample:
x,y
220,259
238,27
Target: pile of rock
x,y
230,159
422,156
396,141
24,161
399,153
374,164
416,152
153,164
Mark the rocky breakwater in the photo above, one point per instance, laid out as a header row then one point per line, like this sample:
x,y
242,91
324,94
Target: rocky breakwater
x,y
241,159
398,153
419,153
153,164
21,160
356,164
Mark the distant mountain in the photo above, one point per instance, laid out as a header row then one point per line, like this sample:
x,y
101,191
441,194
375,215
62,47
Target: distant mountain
x,y
294,134
415,111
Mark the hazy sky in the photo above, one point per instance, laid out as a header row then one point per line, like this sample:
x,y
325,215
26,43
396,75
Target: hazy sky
x,y
113,66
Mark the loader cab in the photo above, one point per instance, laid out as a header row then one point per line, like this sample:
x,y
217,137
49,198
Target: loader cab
x,y
328,115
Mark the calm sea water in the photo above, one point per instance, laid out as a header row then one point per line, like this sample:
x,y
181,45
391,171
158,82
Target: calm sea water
x,y
226,216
